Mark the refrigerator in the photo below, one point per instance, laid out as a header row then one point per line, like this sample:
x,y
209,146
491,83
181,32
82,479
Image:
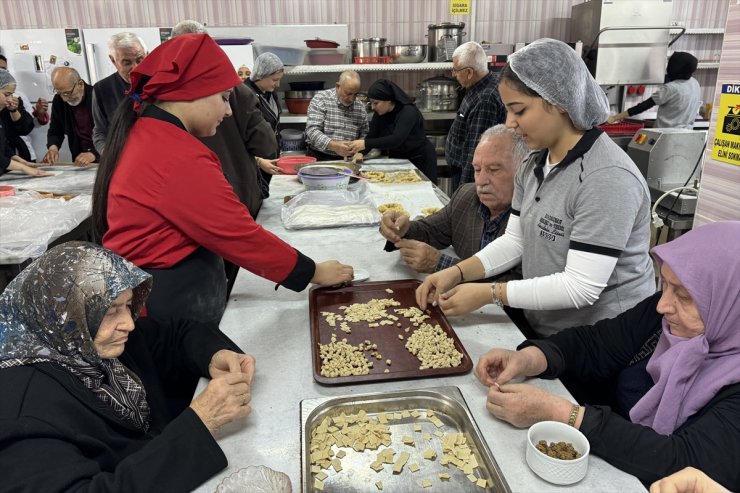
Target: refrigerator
x,y
96,47
32,55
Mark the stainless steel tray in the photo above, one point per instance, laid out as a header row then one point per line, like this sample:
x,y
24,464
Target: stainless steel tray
x,y
448,405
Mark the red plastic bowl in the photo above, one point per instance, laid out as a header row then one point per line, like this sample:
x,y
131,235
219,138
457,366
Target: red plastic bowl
x,y
320,43
290,163
297,106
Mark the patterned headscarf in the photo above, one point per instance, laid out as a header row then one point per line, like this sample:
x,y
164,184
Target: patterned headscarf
x,y
52,310
689,372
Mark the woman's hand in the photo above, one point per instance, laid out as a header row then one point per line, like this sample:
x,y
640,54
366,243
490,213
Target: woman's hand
x,y
357,158
225,399
464,298
618,117
436,284
523,405
499,366
269,165
331,272
225,361
19,164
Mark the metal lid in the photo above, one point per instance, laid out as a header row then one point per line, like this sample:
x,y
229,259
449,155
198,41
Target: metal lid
x,y
362,40
447,25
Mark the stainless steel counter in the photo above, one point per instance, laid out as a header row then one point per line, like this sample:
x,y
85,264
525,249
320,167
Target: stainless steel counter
x,y
274,327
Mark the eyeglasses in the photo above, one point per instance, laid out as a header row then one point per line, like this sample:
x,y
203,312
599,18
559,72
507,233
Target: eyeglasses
x,y
70,93
456,70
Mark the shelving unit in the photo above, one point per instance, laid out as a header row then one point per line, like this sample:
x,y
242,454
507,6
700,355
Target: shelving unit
x,y
369,67
428,115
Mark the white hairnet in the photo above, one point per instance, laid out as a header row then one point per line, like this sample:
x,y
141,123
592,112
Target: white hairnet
x,y
265,65
554,70
6,78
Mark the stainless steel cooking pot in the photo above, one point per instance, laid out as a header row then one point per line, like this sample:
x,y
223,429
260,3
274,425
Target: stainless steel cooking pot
x,y
443,39
362,47
438,94
405,53
300,94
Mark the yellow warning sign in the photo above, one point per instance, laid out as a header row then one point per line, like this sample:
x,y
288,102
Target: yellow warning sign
x,y
726,145
460,7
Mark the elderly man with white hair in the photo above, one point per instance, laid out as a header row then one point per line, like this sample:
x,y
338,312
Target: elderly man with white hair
x,y
476,215
125,50
480,109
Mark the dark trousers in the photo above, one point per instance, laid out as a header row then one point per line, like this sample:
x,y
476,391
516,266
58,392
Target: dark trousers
x,y
456,177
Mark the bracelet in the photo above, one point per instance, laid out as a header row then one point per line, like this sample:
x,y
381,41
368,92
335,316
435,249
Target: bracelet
x,y
494,296
462,277
573,415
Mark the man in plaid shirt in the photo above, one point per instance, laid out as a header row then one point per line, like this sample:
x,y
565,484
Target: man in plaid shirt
x,y
476,214
335,119
480,109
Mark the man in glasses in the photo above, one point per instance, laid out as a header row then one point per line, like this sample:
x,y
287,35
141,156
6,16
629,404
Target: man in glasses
x,y
480,109
71,116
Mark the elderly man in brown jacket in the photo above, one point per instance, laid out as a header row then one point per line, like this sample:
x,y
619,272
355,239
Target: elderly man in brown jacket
x,y
476,214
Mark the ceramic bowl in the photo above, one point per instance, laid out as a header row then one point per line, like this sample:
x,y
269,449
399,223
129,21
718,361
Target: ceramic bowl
x,y
557,471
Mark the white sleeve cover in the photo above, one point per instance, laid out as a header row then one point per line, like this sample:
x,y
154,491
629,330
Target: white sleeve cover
x,y
584,278
504,252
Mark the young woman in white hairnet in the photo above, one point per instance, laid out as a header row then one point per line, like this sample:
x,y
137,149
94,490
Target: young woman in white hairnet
x,y
580,224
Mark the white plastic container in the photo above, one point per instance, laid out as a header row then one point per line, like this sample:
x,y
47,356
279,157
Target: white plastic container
x,y
287,54
324,177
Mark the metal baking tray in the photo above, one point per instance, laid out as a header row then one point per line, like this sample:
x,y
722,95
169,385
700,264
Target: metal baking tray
x,y
448,405
404,365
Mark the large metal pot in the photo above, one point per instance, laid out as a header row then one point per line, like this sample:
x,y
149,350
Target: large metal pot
x,y
362,47
443,39
405,53
438,94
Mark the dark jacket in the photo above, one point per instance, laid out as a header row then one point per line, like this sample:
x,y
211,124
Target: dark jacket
x,y
56,435
708,440
273,119
401,133
10,136
63,123
237,141
107,94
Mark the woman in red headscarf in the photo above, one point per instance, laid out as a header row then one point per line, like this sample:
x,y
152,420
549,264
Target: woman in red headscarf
x,y
161,200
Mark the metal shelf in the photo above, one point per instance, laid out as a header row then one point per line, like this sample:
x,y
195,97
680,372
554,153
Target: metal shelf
x,y
428,115
362,67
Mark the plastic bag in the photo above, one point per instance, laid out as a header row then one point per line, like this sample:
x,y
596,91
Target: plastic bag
x,y
330,209
30,222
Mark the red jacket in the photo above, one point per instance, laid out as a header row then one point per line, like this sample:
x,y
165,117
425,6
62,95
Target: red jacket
x,y
168,196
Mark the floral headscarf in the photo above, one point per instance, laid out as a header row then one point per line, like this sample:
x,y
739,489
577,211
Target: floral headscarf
x,y
52,310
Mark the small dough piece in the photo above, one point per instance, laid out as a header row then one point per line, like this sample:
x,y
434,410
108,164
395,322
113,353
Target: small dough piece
x,y
413,467
481,483
425,483
318,485
321,476
379,485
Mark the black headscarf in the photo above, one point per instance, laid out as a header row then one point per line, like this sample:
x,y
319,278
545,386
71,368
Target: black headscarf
x,y
681,65
52,310
385,90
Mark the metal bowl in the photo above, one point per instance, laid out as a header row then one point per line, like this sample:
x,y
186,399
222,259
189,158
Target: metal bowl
x,y
300,94
405,53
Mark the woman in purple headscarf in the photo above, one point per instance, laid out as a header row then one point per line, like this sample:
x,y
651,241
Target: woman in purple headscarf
x,y
671,364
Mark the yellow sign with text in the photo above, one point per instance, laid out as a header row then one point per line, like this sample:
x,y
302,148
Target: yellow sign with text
x,y
460,7
726,144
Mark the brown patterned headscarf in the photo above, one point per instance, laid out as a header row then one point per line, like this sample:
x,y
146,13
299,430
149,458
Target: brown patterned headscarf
x,y
52,310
